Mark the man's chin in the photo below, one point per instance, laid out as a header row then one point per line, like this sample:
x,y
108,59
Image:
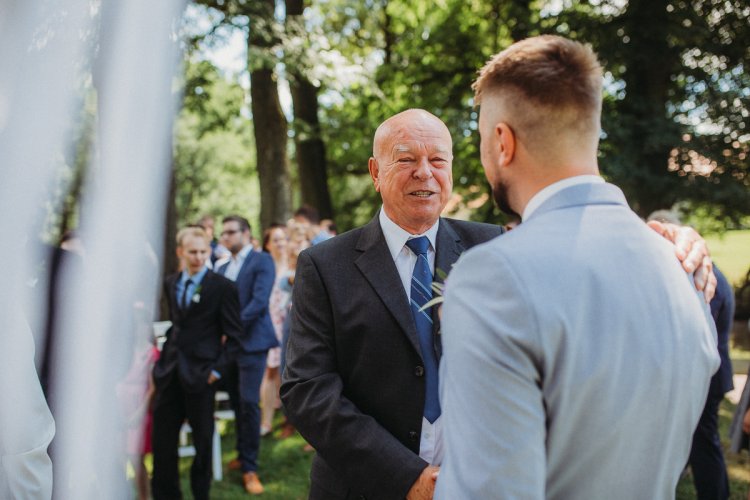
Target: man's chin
x,y
500,195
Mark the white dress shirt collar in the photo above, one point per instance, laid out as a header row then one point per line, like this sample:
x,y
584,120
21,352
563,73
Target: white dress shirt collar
x,y
235,263
396,236
554,188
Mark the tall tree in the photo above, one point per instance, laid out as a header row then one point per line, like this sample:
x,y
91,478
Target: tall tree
x,y
257,20
676,115
310,148
269,122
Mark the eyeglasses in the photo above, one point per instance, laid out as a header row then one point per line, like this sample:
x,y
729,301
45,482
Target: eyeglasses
x,y
229,232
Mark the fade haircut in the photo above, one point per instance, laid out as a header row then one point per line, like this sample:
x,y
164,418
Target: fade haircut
x,y
194,231
244,224
548,84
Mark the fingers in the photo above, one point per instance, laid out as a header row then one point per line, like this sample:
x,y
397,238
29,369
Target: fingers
x,y
710,289
696,252
676,234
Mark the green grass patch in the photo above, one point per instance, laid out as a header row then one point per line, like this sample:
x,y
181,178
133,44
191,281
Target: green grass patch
x,y
738,464
284,467
731,252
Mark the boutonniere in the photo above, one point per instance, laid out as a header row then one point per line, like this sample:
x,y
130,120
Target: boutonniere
x,y
196,295
438,289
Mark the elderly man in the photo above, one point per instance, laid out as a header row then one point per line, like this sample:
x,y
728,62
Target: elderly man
x,y
361,378
577,352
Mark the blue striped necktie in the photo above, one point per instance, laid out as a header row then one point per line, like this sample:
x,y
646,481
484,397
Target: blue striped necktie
x,y
421,293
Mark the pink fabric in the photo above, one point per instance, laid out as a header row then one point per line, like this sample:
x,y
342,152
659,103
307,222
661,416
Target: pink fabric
x,y
132,393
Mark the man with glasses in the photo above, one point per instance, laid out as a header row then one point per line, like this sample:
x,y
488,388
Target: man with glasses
x,y
254,273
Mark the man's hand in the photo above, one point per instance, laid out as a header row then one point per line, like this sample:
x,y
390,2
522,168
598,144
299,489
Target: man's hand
x,y
424,487
212,378
692,251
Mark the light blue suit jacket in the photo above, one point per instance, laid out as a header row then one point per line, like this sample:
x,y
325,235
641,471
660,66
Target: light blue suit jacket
x,y
577,358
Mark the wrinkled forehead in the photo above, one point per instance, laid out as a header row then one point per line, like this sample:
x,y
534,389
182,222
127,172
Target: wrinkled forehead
x,y
415,138
420,147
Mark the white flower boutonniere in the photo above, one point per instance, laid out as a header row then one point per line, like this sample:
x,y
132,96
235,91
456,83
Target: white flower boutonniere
x,y
196,295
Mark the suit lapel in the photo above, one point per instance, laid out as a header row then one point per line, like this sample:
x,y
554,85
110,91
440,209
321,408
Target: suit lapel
x,y
377,266
245,264
174,300
449,249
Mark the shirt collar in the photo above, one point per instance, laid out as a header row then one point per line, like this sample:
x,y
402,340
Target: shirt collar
x,y
554,188
196,278
244,252
396,236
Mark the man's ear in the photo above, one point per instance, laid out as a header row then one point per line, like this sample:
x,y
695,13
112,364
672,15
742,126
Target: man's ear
x,y
506,140
179,252
372,165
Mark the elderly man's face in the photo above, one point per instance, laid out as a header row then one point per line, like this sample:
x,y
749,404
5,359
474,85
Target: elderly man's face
x,y
412,169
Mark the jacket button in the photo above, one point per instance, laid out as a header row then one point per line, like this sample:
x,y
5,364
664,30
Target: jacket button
x,y
419,370
413,435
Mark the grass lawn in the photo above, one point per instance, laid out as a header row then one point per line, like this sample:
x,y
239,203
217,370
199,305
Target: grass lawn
x,y
731,252
285,468
737,464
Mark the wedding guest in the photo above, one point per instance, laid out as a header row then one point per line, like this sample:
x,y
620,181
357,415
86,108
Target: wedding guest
x,y
275,242
706,456
204,310
254,274
135,393
567,338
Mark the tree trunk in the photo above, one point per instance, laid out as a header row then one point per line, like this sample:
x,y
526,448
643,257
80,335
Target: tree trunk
x,y
269,122
649,62
311,151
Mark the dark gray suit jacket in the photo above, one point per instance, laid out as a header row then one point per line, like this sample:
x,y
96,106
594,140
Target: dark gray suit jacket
x,y
354,384
194,342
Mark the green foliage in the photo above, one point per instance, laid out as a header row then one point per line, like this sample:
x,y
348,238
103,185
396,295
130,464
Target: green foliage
x,y
214,166
676,89
676,115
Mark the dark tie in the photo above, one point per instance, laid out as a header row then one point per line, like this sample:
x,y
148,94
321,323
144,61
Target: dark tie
x,y
183,300
421,293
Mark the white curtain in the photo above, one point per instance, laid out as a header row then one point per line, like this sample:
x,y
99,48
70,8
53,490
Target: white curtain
x,y
48,51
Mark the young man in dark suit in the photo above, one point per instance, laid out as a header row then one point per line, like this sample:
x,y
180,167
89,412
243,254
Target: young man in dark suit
x,y
204,310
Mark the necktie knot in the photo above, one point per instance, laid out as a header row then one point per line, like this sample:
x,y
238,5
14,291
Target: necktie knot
x,y
419,245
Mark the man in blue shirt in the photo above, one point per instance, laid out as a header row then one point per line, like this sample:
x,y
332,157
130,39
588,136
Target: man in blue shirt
x,y
204,310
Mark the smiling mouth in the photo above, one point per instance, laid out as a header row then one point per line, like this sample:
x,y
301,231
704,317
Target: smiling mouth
x,y
422,194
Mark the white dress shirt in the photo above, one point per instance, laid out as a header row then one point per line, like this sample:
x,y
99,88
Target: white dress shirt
x,y
235,263
431,440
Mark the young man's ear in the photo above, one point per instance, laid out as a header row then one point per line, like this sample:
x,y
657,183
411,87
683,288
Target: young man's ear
x,y
506,140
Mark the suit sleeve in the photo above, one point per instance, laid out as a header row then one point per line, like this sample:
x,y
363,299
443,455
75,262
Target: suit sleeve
x,y
262,284
231,327
354,444
490,386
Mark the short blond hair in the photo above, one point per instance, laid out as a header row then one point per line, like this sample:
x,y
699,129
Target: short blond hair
x,y
194,231
548,83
